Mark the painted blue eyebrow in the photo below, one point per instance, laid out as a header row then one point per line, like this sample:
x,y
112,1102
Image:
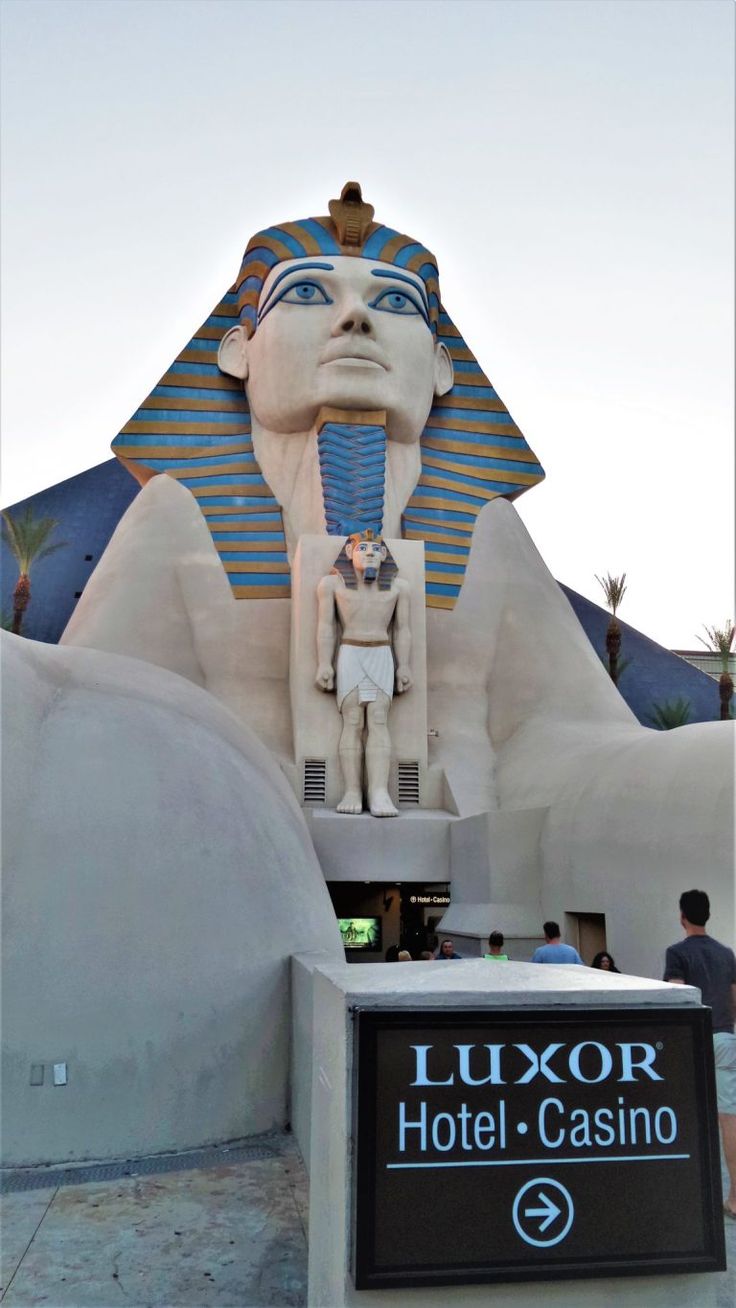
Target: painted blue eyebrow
x,y
399,277
325,267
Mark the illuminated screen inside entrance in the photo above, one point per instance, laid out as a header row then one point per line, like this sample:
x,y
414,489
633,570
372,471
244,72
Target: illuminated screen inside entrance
x,y
360,932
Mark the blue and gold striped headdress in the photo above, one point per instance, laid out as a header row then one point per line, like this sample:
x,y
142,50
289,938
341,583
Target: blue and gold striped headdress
x,y
195,424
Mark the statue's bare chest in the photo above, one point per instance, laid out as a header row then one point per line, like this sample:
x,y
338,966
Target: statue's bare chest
x,y
365,612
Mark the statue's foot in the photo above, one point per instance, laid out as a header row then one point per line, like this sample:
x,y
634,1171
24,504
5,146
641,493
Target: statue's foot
x,y
351,802
380,804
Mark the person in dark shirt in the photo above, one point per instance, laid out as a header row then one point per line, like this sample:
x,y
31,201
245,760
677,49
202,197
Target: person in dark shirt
x,y
701,961
604,962
447,950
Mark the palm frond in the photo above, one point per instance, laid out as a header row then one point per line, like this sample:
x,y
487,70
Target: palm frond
x,y
51,549
720,640
673,713
614,589
27,537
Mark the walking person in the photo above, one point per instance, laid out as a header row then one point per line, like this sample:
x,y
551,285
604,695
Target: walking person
x,y
553,950
495,947
701,961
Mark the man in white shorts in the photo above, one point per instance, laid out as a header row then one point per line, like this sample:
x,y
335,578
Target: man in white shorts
x,y
372,605
701,961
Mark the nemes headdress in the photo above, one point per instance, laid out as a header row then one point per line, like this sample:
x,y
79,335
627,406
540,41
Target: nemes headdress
x,y
343,565
195,424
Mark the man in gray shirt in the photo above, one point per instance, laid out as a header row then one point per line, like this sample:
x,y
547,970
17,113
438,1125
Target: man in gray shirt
x,y
701,961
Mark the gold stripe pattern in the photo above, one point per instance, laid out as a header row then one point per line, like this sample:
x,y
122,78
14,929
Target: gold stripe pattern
x,y
262,592
506,452
471,424
211,404
138,427
240,488
192,452
482,474
244,546
251,566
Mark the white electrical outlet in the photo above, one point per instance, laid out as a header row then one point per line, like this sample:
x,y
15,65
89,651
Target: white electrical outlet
x,y
60,1074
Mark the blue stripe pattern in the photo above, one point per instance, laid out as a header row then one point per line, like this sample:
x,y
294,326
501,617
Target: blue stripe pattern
x,y
352,462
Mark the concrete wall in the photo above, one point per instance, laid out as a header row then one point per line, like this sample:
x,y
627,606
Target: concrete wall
x,y
302,1040
636,816
158,876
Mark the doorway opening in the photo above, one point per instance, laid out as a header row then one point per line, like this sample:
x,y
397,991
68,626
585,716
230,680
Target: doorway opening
x,y
587,932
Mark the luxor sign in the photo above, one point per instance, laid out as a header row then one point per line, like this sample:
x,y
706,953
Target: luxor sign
x,y
534,1144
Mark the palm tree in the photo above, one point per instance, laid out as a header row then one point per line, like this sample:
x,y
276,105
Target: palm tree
x,y
614,589
27,537
720,640
673,713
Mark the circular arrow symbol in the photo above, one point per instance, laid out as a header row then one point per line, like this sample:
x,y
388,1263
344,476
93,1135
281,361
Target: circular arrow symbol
x,y
539,1205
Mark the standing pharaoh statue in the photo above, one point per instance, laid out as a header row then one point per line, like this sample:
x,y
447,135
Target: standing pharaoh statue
x,y
367,600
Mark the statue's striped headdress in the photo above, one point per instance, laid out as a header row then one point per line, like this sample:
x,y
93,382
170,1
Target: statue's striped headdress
x,y
195,424
343,566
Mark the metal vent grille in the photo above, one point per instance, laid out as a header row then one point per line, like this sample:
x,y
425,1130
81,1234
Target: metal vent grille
x,y
315,781
408,778
273,1144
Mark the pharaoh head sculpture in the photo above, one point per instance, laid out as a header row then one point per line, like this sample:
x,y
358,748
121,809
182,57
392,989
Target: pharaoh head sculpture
x,y
335,325
366,552
342,325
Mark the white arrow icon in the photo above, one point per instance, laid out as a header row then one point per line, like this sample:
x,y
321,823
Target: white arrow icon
x,y
546,1212
549,1212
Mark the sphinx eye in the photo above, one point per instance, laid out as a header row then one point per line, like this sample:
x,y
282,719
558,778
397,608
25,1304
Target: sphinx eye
x,y
304,293
392,301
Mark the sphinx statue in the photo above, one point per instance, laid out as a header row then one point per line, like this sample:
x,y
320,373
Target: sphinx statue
x,y
329,392
329,395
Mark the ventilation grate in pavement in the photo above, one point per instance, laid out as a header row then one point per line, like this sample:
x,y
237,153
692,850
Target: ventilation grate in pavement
x,y
13,1180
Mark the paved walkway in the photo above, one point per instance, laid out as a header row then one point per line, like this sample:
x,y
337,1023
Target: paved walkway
x,y
222,1227
231,1232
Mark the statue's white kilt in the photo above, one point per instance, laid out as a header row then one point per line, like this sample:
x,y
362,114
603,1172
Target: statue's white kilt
x,y
365,668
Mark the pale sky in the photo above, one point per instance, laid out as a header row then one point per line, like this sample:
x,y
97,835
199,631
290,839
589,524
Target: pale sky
x,y
569,163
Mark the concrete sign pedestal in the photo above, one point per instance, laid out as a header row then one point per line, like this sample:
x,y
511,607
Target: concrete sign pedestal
x,y
565,1033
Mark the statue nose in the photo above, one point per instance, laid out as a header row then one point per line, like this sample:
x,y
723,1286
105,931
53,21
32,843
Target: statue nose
x,y
353,318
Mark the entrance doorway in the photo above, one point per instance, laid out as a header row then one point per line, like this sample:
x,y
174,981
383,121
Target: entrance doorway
x,y
380,916
587,932
422,907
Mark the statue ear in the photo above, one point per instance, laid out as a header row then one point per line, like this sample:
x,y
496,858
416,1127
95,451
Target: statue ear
x,y
232,356
349,548
444,373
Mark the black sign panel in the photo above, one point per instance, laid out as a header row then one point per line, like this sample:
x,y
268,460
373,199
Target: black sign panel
x,y
516,1145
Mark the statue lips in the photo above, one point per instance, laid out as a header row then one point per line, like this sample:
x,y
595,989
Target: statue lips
x,y
353,356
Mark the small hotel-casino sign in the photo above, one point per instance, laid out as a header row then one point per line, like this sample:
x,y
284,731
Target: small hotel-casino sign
x,y
509,1146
